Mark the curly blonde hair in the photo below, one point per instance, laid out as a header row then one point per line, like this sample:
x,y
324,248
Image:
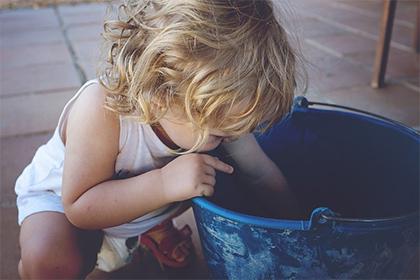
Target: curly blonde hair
x,y
203,58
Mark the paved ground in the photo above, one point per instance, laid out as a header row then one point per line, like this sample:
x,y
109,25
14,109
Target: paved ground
x,y
47,53
16,4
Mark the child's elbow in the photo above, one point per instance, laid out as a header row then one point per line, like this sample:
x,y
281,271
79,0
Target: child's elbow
x,y
72,214
76,216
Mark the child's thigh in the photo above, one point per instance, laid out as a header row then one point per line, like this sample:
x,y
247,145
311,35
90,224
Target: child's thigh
x,y
49,236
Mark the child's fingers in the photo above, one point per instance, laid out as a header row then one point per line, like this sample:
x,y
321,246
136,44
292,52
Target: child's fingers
x,y
209,170
209,180
218,164
206,190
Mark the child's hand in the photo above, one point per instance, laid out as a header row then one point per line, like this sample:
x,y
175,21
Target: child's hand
x,y
191,175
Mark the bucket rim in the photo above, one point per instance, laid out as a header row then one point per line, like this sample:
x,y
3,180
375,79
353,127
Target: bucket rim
x,y
302,105
285,224
250,219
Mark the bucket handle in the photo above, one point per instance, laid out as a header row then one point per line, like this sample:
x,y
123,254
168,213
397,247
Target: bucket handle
x,y
302,102
320,216
327,217
323,216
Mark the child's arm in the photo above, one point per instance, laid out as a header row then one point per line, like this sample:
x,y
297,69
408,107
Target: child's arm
x,y
259,171
91,199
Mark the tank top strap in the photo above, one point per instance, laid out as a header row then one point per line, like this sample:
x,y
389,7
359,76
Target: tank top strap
x,y
67,107
126,130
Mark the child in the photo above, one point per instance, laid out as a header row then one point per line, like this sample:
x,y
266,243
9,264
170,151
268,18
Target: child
x,y
182,78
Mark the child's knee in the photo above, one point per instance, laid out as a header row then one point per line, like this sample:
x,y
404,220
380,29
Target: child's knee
x,y
43,263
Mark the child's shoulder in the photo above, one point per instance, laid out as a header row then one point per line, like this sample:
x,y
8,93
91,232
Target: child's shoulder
x,y
92,143
89,113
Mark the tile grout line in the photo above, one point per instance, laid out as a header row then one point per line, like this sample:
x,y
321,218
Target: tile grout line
x,y
405,84
337,54
79,70
345,6
321,47
27,134
399,81
355,31
37,92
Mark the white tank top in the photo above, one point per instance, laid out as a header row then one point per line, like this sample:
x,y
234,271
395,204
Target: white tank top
x,y
140,150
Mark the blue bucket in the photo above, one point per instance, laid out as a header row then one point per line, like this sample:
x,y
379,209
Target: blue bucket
x,y
356,176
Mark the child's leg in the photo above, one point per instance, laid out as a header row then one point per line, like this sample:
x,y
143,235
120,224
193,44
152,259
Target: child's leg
x,y
51,247
170,246
182,250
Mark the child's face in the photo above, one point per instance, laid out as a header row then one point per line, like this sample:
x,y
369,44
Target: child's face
x,y
183,134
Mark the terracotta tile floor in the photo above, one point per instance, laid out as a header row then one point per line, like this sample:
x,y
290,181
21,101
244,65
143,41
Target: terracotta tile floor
x,y
338,39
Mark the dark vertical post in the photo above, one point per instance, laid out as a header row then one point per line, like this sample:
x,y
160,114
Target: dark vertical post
x,y
416,44
382,48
